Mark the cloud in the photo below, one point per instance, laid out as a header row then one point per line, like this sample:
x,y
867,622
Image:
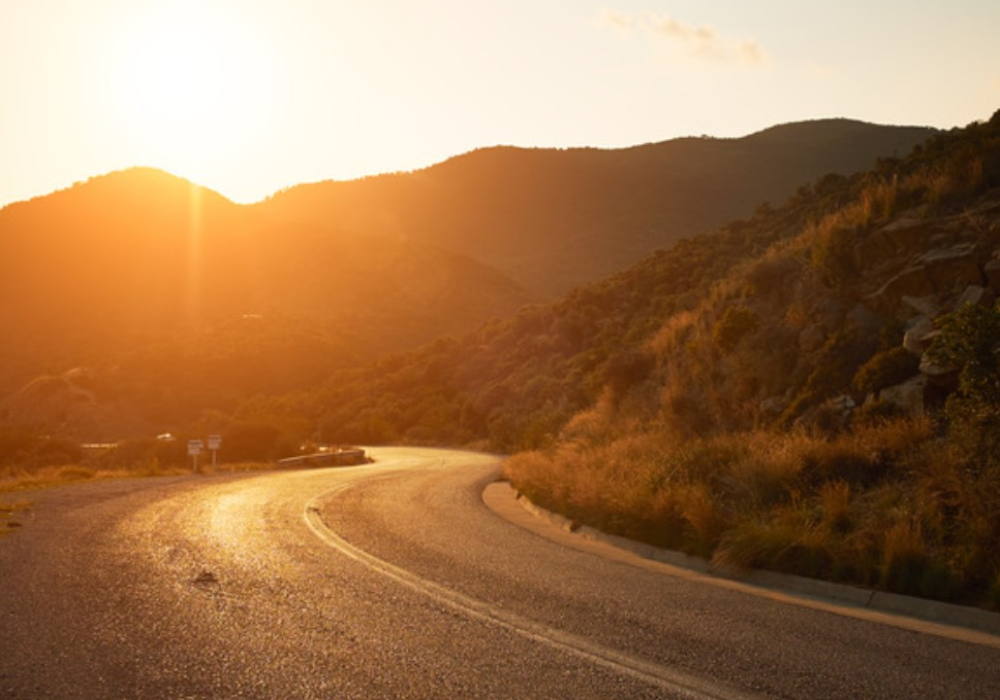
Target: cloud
x,y
702,41
618,20
750,51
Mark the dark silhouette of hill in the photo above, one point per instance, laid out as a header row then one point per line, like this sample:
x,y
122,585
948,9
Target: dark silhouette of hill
x,y
555,219
188,299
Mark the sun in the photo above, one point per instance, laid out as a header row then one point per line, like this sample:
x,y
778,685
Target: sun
x,y
192,85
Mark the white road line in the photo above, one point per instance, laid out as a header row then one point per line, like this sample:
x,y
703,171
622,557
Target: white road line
x,y
672,680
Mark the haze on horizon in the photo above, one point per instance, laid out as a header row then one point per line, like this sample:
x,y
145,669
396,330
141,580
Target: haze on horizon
x,y
248,97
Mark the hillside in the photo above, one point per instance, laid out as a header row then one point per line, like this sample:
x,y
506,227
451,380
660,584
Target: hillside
x,y
174,300
555,219
813,389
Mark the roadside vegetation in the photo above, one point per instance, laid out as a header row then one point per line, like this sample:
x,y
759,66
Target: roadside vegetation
x,y
62,475
895,505
29,461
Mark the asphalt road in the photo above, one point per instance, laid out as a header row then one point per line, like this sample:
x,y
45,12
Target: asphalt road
x,y
395,581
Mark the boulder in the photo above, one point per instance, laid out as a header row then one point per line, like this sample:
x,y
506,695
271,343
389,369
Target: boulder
x,y
908,234
977,296
926,306
908,396
950,269
919,334
912,282
938,272
938,374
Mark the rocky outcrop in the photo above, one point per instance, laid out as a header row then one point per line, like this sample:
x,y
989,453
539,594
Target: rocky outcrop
x,y
908,397
919,334
942,271
905,236
926,268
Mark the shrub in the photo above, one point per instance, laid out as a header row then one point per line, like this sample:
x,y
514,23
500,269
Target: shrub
x,y
885,369
833,255
257,440
908,567
969,340
736,323
706,520
835,505
767,277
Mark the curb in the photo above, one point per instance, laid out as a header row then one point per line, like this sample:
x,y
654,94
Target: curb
x,y
879,601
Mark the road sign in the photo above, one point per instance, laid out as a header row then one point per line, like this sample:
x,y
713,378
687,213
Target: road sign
x,y
214,442
194,447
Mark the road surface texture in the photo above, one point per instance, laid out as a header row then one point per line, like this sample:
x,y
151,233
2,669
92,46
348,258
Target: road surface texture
x,y
394,580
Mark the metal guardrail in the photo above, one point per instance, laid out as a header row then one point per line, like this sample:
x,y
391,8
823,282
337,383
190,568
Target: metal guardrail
x,y
341,458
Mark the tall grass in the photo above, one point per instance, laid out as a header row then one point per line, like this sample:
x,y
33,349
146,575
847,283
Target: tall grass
x,y
889,505
22,478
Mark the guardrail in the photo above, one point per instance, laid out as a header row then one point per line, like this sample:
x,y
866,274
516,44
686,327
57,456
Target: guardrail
x,y
341,458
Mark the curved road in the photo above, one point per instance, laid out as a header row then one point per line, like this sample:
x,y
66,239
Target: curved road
x,y
395,581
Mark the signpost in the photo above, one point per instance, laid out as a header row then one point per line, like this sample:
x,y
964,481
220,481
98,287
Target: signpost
x,y
194,449
214,443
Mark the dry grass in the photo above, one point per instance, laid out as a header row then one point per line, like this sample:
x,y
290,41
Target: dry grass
x,y
47,477
889,505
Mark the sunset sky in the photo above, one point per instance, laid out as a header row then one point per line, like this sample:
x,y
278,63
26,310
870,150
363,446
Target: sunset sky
x,y
249,96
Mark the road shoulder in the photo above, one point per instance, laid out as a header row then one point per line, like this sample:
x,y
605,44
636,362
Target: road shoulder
x,y
916,614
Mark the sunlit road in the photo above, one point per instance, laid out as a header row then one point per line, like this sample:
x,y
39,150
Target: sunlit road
x,y
395,581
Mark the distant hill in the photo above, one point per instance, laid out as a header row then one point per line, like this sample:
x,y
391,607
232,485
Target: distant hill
x,y
171,287
555,219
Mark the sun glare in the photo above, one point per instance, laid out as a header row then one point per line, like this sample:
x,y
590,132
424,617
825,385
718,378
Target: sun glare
x,y
193,85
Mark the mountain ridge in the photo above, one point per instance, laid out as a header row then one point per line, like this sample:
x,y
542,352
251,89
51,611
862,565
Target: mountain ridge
x,y
555,218
204,301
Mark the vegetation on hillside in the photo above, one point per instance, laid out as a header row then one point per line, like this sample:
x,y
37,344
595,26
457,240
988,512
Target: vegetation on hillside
x,y
132,303
556,219
732,396
741,441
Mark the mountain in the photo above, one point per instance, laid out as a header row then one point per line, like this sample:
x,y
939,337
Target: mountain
x,y
815,389
756,323
555,219
182,297
166,300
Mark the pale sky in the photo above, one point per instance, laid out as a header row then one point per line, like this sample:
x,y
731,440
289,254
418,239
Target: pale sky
x,y
251,96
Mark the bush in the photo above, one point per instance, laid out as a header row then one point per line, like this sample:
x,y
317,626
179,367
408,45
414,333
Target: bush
x,y
968,341
735,324
258,441
886,369
833,255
